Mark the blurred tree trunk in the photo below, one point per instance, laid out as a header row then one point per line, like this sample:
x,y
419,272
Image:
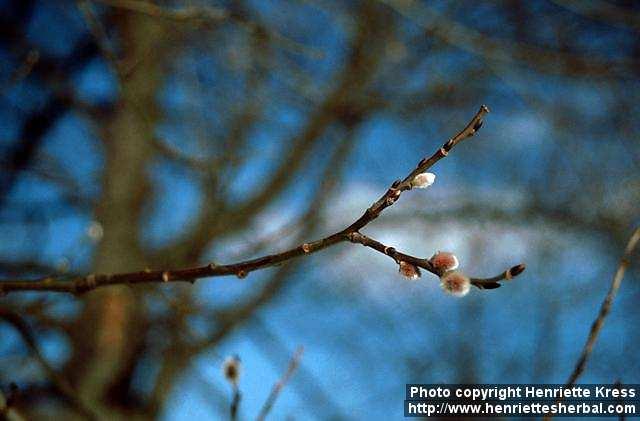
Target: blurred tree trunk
x,y
109,330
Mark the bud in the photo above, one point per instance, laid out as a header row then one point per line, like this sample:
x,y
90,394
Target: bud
x,y
422,181
95,231
409,270
443,262
231,369
455,283
514,271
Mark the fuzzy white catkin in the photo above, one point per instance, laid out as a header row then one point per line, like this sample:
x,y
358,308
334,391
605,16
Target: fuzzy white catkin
x,y
423,180
444,261
455,283
409,270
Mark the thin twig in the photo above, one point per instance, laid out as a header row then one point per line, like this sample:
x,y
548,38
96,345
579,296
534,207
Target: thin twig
x,y
100,34
482,283
493,49
235,402
605,308
207,13
81,284
619,401
308,384
59,381
211,15
240,313
23,70
280,384
603,11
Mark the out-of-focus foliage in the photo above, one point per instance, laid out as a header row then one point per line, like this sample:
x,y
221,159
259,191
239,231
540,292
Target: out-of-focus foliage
x,y
169,134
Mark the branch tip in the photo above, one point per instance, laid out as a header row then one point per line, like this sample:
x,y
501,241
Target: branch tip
x,y
515,271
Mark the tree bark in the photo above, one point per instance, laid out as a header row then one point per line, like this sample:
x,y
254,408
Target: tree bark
x,y
109,330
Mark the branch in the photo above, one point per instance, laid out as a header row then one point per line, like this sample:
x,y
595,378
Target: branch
x,y
355,74
211,16
23,70
239,313
493,49
59,381
604,309
308,384
481,283
78,285
596,327
185,14
277,388
235,403
603,11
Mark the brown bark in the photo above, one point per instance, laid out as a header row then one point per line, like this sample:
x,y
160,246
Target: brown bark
x,y
109,330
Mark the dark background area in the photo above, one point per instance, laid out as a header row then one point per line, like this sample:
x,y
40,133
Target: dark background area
x,y
169,134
